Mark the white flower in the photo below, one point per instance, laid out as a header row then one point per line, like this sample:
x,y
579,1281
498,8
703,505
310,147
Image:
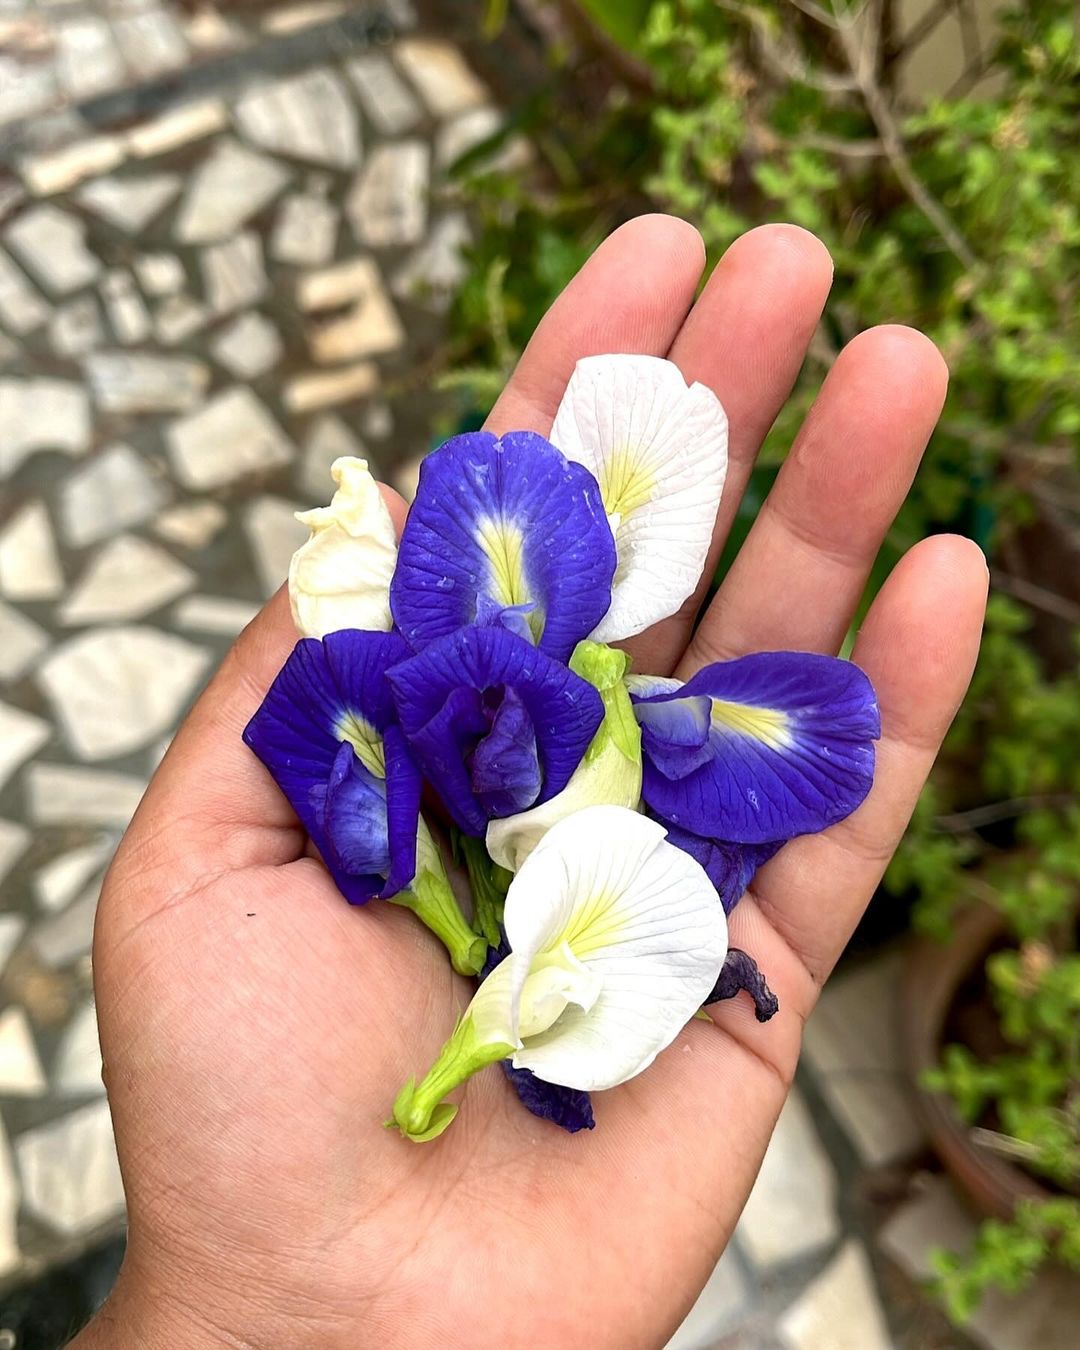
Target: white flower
x,y
340,578
616,938
609,773
658,450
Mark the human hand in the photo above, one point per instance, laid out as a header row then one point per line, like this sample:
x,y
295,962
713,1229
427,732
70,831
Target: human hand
x,y
255,1027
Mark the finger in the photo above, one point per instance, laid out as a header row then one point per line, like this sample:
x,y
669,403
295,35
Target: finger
x,y
800,574
746,339
918,646
631,296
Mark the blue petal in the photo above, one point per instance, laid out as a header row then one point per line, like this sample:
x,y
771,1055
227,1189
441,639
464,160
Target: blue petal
x,y
740,973
790,748
730,867
330,695
504,523
675,734
569,1108
354,816
504,767
448,699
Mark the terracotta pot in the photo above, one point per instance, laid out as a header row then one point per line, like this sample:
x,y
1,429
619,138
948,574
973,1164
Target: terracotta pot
x,y
934,973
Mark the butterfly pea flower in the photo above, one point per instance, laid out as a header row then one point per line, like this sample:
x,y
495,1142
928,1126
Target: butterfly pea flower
x,y
506,526
658,450
495,724
327,732
616,938
729,866
340,578
609,773
759,749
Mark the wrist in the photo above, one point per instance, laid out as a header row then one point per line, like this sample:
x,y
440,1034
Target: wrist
x,y
136,1318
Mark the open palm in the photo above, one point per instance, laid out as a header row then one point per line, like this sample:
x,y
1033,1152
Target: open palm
x,y
256,1028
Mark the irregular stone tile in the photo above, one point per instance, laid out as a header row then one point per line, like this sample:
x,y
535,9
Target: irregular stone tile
x,y
191,524
387,205
1044,1315
293,18
26,88
113,492
130,203
87,61
12,927
160,273
434,273
21,733
852,1045
377,421
124,306
68,935
61,170
308,116
177,128
177,318
718,1307
21,643
328,439
384,95
839,1309
233,273
14,839
114,689
52,244
305,230
214,614
231,436
152,42
142,382
65,794
406,477
128,579
368,327
41,414
248,347
20,1067
76,1071
29,567
60,880
208,31
792,1208
317,389
10,1257
21,308
70,1176
438,70
75,328
275,535
231,185
465,132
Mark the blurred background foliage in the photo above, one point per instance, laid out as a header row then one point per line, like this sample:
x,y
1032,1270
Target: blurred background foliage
x,y
956,211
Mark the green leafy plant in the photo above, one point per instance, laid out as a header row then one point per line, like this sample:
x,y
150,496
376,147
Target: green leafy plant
x,y
957,212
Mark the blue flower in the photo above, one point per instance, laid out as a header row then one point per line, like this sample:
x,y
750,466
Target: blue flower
x,y
504,525
496,725
760,749
327,732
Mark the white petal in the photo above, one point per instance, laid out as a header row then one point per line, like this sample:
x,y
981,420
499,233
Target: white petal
x,y
641,916
340,578
658,449
607,778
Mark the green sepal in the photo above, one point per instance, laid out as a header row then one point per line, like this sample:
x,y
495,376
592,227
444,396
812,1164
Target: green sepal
x,y
605,668
488,887
419,1111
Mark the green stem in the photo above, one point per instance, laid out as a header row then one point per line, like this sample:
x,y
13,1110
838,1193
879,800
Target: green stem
x,y
488,890
420,1112
436,906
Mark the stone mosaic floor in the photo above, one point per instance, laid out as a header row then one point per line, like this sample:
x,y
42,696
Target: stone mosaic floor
x,y
227,244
